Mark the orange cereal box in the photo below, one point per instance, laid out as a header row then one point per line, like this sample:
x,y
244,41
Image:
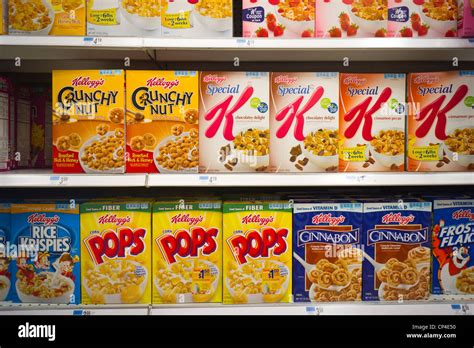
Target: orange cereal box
x,y
116,252
257,252
187,251
162,122
372,114
441,121
88,121
3,17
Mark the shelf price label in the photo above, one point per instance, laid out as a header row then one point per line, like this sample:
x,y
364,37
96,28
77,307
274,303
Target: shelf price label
x,y
58,180
241,42
93,41
312,310
81,312
208,179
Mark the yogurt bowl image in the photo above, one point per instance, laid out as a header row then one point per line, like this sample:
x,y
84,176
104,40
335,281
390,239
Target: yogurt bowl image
x,y
458,147
388,147
46,287
4,287
146,16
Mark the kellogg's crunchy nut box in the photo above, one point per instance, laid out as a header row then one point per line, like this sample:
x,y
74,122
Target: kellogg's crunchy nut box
x,y
304,121
5,261
257,252
187,251
234,122
88,121
441,121
116,252
47,17
162,121
372,116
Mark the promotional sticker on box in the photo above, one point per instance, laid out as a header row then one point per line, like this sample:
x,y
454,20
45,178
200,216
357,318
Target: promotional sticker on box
x,y
5,259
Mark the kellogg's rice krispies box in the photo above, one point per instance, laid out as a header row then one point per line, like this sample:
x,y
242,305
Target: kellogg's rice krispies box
x,y
327,259
5,274
47,17
116,252
88,121
187,251
162,121
257,252
304,121
285,18
453,245
234,132
372,116
47,268
441,121
397,244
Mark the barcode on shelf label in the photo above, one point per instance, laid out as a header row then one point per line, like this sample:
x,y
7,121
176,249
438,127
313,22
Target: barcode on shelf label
x,y
93,41
81,312
208,179
58,180
245,42
311,310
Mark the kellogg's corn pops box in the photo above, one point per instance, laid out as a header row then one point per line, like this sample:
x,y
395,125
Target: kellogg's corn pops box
x,y
116,252
47,268
5,274
47,17
257,252
441,121
187,251
304,121
162,122
234,132
88,121
372,116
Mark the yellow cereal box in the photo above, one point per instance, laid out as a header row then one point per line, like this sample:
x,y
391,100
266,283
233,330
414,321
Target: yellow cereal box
x,y
3,17
88,121
257,252
47,17
116,252
187,251
162,122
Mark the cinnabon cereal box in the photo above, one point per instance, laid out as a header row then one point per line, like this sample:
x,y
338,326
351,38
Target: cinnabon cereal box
x,y
234,120
397,247
327,255
187,251
88,121
441,121
47,264
372,114
257,252
5,259
116,252
304,122
162,121
453,245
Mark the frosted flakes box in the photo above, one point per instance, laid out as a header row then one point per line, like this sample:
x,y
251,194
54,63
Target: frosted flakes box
x,y
187,251
5,261
327,255
47,264
304,122
453,245
372,112
441,121
397,245
257,252
234,119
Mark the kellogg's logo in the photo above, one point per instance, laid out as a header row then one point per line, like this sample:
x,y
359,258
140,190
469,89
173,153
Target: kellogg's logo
x,y
256,218
113,219
426,79
354,80
87,82
186,218
328,218
42,219
285,79
162,82
214,79
463,214
397,218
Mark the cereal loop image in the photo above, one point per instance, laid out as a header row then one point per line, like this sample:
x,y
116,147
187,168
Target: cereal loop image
x,y
63,143
180,153
104,153
116,115
191,116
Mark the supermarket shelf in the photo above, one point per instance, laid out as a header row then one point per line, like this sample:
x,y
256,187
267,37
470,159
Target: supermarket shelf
x,y
63,309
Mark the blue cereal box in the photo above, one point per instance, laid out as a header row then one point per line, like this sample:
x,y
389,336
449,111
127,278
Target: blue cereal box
x,y
453,246
397,244
327,259
46,269
5,275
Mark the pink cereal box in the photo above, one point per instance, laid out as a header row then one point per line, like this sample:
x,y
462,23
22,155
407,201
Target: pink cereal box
x,y
280,18
234,122
372,114
304,121
416,18
466,18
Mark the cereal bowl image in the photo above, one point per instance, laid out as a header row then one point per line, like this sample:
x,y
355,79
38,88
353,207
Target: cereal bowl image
x,y
388,147
320,147
103,153
46,287
465,281
441,16
212,16
145,14
296,18
459,146
178,153
4,287
369,16
35,18
251,149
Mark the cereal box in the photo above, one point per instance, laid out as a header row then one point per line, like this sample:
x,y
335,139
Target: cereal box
x,y
187,251
47,268
284,19
88,121
304,121
192,18
116,252
397,255
327,263
23,126
234,122
257,252
5,274
453,245
353,18
465,18
6,131
139,18
441,121
3,17
162,121
430,18
47,17
372,116
41,141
